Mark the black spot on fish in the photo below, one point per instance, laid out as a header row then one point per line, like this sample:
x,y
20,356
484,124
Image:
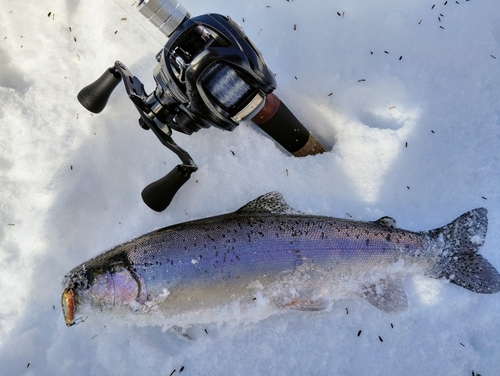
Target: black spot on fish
x,y
182,369
380,338
359,333
392,326
388,237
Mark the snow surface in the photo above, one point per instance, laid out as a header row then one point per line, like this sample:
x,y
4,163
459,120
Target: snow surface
x,y
413,133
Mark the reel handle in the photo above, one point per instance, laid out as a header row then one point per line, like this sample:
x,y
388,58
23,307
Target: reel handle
x,y
160,193
95,96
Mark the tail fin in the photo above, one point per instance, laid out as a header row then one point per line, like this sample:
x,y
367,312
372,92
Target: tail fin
x,y
458,243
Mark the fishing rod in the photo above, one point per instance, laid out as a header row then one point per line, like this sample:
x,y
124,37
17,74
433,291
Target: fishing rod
x,y
209,73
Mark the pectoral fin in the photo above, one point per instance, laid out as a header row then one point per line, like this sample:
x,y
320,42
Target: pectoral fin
x,y
387,295
307,305
181,331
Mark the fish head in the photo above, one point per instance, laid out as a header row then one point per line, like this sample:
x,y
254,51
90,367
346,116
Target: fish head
x,y
100,287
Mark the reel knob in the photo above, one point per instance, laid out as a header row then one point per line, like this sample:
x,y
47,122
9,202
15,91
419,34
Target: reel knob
x,y
95,96
160,193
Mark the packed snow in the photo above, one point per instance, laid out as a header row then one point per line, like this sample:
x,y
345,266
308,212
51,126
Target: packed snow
x,y
404,95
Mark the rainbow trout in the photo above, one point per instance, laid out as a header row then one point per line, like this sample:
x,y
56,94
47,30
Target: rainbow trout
x,y
266,254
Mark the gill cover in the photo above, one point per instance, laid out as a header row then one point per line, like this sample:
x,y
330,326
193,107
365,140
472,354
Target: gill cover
x,y
104,287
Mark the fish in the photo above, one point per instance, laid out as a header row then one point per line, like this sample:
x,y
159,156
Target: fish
x,y
267,254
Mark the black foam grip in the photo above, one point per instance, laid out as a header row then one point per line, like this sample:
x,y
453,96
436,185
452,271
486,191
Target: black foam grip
x,y
286,129
95,96
160,193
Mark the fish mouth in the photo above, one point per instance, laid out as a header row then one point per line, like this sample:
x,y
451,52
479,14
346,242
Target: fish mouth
x,y
68,306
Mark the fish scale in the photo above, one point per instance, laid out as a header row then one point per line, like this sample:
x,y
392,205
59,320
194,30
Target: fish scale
x,y
268,252
264,245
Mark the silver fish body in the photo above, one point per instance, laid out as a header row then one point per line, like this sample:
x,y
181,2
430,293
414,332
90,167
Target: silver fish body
x,y
267,253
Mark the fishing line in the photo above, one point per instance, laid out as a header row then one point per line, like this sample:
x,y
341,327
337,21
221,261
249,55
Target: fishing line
x,y
133,18
240,178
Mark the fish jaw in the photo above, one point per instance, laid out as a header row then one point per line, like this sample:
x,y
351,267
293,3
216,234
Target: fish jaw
x,y
68,306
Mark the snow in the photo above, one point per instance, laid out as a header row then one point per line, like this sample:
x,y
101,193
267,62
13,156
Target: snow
x,y
412,133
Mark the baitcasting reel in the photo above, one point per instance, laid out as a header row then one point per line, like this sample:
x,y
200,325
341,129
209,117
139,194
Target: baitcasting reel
x,y
208,74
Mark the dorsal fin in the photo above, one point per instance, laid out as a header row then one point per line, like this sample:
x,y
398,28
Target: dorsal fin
x,y
270,203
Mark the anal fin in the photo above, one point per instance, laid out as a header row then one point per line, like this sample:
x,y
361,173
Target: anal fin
x,y
386,222
387,295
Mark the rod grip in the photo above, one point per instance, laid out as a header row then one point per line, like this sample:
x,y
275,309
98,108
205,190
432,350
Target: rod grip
x,y
281,124
95,96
